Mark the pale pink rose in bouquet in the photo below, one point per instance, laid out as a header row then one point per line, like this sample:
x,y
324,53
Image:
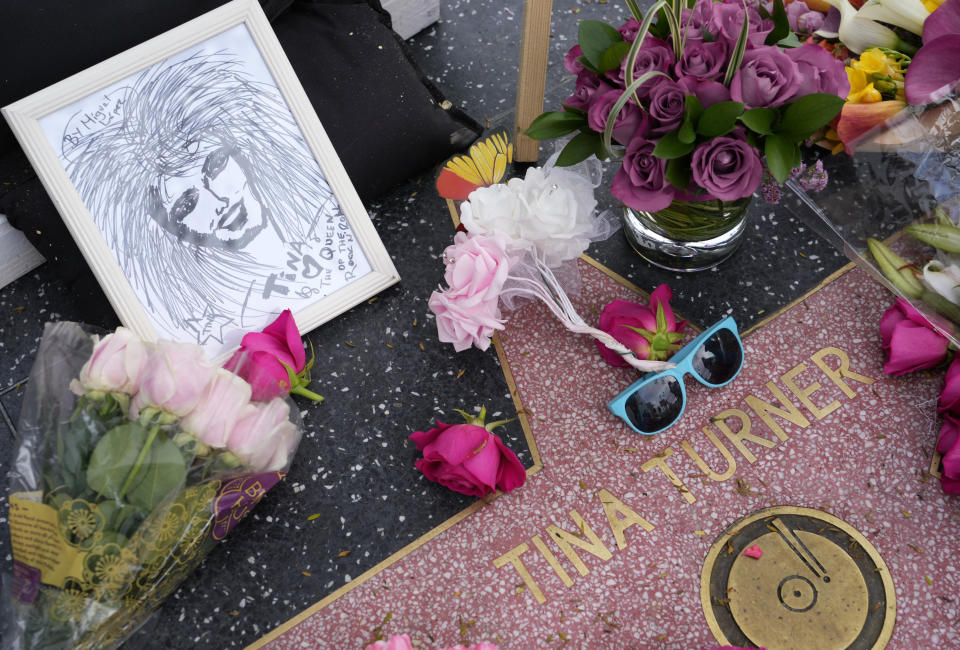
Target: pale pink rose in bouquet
x,y
263,436
175,378
115,366
212,420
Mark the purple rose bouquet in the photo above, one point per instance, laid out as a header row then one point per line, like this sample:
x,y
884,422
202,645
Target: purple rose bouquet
x,y
698,102
133,460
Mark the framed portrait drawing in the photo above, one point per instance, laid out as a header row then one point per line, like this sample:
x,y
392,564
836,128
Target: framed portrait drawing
x,y
200,186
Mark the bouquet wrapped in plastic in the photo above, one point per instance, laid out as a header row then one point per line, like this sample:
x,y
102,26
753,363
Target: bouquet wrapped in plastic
x,y
904,177
133,460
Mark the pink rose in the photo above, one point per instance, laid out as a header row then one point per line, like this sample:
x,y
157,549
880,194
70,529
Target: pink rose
x,y
468,459
949,433
468,311
115,366
262,355
396,642
909,341
175,378
213,418
950,395
263,437
620,316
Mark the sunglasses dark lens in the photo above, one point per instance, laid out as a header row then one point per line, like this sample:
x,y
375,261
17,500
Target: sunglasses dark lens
x,y
655,405
719,358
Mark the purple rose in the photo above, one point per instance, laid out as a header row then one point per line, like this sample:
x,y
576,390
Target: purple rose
x,y
654,54
819,71
641,183
727,167
727,21
588,87
698,19
702,61
707,92
631,122
572,60
666,106
629,29
767,77
802,19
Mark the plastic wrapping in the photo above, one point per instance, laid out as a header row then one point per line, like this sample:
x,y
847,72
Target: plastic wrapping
x,y
113,502
901,173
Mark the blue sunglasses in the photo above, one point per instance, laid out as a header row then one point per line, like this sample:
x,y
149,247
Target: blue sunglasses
x,y
654,402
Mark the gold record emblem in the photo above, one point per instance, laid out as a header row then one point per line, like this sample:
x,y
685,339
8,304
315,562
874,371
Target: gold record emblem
x,y
818,584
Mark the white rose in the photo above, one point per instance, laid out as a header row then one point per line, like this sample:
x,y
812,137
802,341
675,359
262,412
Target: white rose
x,y
561,205
494,209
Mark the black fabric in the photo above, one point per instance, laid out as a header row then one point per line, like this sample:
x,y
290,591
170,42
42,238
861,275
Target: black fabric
x,y
386,122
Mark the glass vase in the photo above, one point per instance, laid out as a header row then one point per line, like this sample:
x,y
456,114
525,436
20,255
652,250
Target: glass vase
x,y
687,235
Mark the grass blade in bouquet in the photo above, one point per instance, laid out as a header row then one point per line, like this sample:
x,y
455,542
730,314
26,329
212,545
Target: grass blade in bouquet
x,y
133,460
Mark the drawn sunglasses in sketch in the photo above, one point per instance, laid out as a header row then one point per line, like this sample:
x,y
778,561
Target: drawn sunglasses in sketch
x,y
200,180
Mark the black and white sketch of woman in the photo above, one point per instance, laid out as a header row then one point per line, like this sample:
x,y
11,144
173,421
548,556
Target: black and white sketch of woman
x,y
203,187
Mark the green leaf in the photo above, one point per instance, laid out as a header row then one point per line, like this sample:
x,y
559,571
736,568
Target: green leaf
x,y
595,38
613,57
554,124
686,134
781,26
572,111
790,40
660,27
581,147
759,120
809,113
780,152
670,147
114,457
678,172
719,119
161,474
692,110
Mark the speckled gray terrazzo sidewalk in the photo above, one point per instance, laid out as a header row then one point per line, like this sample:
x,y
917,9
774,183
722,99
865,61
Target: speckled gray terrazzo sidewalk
x,y
355,466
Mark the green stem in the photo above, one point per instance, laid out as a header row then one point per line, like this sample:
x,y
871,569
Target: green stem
x,y
306,392
140,458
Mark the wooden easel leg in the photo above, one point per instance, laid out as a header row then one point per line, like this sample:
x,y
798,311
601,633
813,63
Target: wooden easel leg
x,y
532,76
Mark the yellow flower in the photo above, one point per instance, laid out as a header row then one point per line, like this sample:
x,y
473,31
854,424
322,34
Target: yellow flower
x,y
873,61
932,5
861,91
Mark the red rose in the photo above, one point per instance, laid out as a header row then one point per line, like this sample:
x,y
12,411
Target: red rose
x,y
262,355
909,341
468,458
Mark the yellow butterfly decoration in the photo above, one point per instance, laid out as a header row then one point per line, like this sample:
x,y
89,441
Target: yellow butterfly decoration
x,y
486,164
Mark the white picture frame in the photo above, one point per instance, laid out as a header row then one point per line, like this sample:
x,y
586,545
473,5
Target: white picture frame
x,y
65,131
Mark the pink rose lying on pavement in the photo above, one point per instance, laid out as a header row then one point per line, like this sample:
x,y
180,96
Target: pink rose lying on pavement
x,y
273,361
468,458
651,331
402,642
910,343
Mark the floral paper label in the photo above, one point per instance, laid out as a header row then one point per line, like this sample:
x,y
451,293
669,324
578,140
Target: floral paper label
x,y
238,497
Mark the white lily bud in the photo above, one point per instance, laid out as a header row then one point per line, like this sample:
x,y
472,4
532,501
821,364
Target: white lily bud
x,y
908,14
944,280
859,33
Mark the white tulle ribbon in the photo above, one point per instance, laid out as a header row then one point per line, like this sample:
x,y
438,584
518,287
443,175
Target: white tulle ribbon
x,y
546,288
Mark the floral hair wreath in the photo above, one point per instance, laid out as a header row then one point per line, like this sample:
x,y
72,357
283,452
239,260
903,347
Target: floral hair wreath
x,y
518,239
